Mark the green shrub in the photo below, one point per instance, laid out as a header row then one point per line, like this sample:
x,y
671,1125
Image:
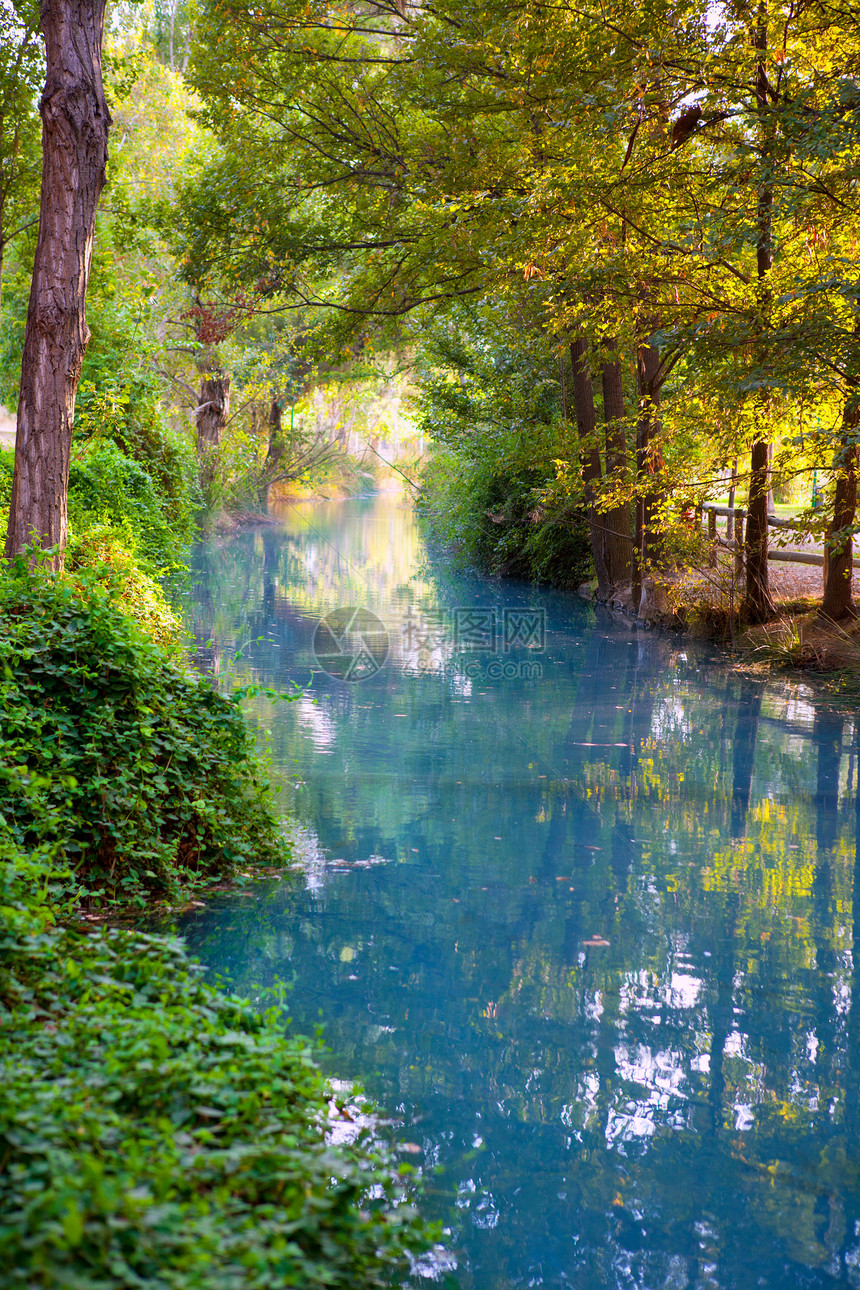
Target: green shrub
x,y
505,519
124,409
7,466
107,487
155,1132
99,555
136,768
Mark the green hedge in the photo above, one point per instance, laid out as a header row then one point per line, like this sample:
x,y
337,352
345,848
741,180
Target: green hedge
x,y
504,519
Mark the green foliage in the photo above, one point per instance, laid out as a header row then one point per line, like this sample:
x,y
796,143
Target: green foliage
x,y
7,466
140,773
99,554
21,77
106,487
154,1131
501,491
124,407
505,521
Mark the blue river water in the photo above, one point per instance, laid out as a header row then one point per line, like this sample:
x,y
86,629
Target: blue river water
x,y
577,907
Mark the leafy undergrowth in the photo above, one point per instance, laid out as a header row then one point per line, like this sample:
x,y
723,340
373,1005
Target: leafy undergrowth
x,y
154,1132
111,749
509,520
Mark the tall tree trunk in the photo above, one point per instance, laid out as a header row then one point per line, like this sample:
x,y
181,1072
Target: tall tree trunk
x,y
75,125
837,602
275,451
617,519
758,605
648,542
213,409
586,424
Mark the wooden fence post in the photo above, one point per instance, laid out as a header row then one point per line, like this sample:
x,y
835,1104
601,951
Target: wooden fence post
x,y
712,538
739,543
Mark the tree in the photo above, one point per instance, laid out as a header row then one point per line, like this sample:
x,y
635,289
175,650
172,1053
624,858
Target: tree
x,y
20,70
647,179
75,124
837,602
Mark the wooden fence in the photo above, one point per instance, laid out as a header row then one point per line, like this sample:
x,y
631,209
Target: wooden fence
x,y
734,539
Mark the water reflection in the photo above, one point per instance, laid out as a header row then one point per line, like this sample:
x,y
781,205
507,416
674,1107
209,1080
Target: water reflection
x,y
590,937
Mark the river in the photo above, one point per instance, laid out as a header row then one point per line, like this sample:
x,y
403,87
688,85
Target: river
x,y
577,909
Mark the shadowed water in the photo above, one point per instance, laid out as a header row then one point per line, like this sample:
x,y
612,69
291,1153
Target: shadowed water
x,y
578,911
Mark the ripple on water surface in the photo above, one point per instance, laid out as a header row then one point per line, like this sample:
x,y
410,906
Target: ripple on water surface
x,y
579,912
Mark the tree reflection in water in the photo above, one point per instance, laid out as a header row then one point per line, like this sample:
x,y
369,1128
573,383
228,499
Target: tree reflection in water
x,y
590,938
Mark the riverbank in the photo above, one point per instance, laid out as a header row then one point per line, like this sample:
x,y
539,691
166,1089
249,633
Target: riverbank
x,y
488,520
703,603
154,1129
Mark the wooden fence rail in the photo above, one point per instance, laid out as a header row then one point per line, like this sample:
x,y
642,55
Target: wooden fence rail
x,y
738,514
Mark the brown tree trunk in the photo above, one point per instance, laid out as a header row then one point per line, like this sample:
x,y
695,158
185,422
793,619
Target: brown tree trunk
x,y
617,519
592,472
275,451
758,605
213,408
648,542
837,602
75,124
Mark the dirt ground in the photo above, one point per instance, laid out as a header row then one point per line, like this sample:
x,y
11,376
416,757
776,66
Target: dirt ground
x,y
788,582
797,635
793,581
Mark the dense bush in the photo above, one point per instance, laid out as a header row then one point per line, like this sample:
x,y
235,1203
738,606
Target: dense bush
x,y
107,487
137,768
506,520
498,488
155,1132
123,411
